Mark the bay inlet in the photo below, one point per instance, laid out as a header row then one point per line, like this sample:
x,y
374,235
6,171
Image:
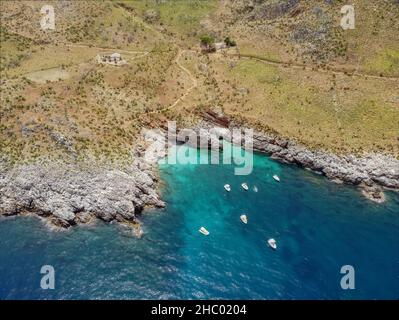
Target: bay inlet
x,y
319,226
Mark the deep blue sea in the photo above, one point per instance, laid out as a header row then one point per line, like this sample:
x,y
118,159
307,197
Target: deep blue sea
x,y
319,226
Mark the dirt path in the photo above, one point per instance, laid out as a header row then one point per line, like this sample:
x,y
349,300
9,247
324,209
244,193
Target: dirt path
x,y
192,78
144,53
178,56
331,71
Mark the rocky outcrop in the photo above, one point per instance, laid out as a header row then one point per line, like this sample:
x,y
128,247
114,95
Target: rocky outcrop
x,y
70,194
373,193
264,10
372,169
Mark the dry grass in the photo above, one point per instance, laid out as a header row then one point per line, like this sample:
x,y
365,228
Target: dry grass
x,y
99,110
335,112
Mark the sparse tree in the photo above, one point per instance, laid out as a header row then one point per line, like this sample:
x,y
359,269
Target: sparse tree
x,y
229,42
207,42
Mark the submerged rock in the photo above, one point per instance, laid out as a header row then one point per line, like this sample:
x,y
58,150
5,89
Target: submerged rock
x,y
374,194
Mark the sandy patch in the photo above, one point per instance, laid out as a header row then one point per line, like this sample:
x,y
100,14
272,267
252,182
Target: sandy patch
x,y
53,74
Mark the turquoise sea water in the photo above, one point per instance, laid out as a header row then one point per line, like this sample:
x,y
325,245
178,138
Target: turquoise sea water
x,y
319,226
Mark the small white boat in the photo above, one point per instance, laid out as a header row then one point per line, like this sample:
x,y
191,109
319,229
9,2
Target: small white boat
x,y
255,189
227,187
276,177
204,231
244,186
272,243
243,218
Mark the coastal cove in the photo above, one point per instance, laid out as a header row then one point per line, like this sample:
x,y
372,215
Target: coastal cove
x,y
319,227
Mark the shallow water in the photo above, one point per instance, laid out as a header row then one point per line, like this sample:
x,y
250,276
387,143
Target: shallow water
x,y
319,226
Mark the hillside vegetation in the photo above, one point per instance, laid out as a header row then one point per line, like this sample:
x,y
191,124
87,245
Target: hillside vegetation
x,y
294,71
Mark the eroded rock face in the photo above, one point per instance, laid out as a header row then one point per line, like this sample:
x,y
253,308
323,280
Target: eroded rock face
x,y
70,194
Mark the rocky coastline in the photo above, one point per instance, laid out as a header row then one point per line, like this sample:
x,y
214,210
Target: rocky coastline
x,y
65,195
69,194
372,172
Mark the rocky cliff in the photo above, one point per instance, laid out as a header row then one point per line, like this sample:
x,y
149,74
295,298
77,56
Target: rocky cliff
x,y
70,194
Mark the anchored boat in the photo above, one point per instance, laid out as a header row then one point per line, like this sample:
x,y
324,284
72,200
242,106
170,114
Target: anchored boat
x,y
204,231
272,243
244,219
